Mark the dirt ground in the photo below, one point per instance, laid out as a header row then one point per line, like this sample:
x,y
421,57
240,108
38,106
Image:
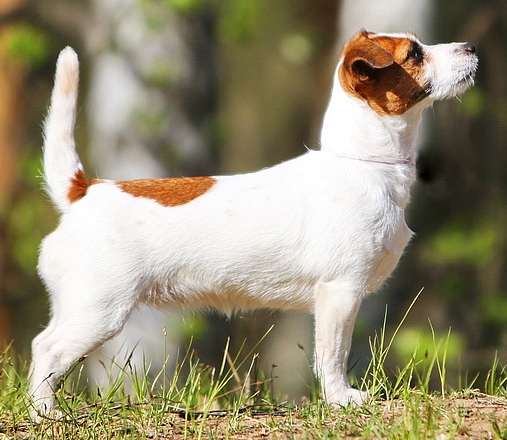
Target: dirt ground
x,y
479,415
476,417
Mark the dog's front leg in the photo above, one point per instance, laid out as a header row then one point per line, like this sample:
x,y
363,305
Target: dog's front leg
x,y
336,307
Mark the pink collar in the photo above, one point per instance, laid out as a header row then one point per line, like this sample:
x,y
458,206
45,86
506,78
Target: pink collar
x,y
386,160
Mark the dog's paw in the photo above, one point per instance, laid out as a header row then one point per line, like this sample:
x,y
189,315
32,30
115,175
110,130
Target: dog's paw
x,y
53,415
45,410
350,396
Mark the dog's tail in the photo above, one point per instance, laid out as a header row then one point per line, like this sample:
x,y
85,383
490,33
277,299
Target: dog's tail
x,y
64,177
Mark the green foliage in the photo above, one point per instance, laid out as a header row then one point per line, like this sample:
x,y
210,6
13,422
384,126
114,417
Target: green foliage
x,y
26,44
468,254
417,344
473,102
467,244
30,217
494,310
183,7
187,7
240,20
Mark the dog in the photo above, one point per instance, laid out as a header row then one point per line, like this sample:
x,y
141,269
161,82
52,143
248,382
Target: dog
x,y
317,233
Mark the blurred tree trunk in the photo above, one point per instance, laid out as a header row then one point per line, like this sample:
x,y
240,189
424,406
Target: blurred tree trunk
x,y
151,97
385,16
12,80
274,74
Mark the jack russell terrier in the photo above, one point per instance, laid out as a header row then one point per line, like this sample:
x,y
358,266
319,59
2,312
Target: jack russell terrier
x,y
317,233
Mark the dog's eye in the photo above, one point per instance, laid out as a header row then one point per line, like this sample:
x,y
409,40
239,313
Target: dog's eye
x,y
416,52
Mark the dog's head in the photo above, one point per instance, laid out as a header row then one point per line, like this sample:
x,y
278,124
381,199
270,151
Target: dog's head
x,y
395,72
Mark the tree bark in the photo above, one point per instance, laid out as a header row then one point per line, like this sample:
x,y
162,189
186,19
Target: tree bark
x,y
12,79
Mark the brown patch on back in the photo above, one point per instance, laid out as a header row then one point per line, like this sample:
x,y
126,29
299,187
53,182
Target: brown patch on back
x,y
170,191
78,186
378,70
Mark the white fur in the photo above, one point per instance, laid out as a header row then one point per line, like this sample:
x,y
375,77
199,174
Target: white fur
x,y
60,155
316,233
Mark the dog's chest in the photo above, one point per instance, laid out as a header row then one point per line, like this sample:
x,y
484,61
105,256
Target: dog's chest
x,y
388,256
366,232
390,239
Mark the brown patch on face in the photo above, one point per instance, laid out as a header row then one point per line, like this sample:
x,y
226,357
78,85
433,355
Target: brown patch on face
x,y
384,71
168,192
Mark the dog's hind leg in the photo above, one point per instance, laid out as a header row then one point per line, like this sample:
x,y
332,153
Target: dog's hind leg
x,y
336,308
77,327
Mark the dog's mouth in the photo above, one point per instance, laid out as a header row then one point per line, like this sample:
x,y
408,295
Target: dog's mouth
x,y
467,77
464,79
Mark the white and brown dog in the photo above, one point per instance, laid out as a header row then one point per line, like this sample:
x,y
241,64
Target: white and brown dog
x,y
317,233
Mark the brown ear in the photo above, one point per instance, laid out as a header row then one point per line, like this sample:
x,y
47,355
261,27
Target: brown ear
x,y
363,57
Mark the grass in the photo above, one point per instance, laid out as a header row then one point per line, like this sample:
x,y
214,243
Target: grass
x,y
232,402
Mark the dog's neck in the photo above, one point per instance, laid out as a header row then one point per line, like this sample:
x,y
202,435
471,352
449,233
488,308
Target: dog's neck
x,y
351,129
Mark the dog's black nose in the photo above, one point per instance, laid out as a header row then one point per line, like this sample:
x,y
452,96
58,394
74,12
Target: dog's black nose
x,y
469,47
